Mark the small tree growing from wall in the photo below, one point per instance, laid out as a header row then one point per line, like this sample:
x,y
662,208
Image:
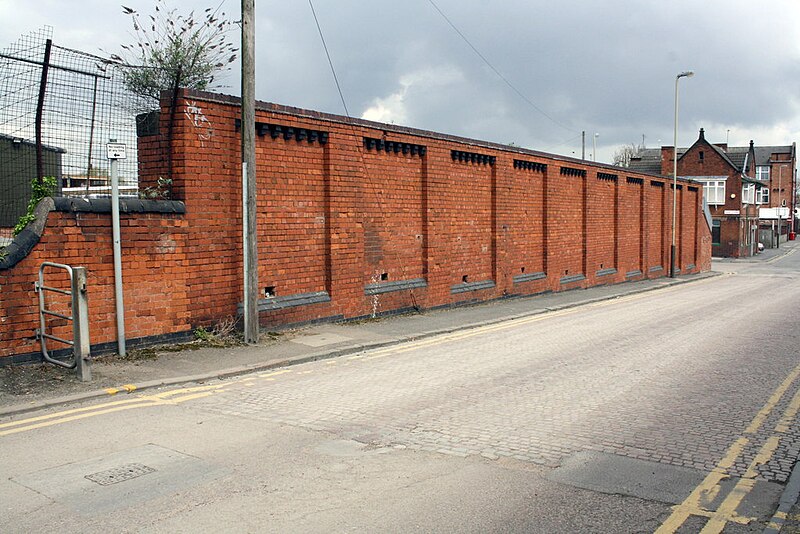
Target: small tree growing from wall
x,y
172,48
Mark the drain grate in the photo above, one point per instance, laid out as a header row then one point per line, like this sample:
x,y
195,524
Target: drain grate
x,y
119,474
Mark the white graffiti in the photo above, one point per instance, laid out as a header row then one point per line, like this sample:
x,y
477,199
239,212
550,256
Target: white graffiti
x,y
198,119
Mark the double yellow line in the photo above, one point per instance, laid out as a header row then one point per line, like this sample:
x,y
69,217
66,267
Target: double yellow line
x,y
697,503
172,397
177,396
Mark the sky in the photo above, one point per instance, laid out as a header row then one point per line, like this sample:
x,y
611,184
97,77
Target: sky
x,y
606,67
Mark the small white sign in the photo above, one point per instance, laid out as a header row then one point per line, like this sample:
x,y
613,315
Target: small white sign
x,y
116,150
731,212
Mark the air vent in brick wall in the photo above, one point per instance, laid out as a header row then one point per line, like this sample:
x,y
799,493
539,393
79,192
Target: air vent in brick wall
x,y
692,189
607,176
288,132
471,157
632,180
530,165
395,147
569,171
656,184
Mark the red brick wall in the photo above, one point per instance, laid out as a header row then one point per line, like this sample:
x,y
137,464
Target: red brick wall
x,y
602,224
155,270
631,222
393,223
461,220
566,224
657,219
335,213
521,224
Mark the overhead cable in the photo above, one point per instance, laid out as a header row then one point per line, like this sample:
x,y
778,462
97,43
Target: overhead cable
x,y
499,74
330,62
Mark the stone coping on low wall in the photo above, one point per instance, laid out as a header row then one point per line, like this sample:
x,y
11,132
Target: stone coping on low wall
x,y
23,243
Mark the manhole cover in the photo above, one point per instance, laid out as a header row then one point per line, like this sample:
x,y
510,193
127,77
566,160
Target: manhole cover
x,y
119,474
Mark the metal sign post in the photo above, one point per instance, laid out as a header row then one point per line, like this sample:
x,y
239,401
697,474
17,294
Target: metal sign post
x,y
116,151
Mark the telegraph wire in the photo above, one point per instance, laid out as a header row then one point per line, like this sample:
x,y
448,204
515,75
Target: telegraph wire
x,y
553,147
330,62
378,198
499,74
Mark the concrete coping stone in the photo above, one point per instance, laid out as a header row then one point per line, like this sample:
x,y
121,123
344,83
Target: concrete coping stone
x,y
290,301
466,287
23,243
529,277
397,285
606,272
572,278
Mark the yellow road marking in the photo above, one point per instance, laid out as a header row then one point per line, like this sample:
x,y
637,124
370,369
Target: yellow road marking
x,y
181,391
479,330
726,512
776,258
66,412
505,325
74,418
275,373
727,508
172,397
762,414
199,395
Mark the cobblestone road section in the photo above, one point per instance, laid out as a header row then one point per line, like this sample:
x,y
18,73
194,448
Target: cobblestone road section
x,y
646,377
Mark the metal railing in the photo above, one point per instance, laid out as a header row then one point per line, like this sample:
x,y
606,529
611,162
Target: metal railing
x,y
79,316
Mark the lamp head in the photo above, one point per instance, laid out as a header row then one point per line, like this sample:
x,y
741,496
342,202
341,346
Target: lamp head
x,y
686,74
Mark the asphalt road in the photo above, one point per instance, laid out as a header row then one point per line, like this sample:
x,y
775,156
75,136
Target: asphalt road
x,y
673,410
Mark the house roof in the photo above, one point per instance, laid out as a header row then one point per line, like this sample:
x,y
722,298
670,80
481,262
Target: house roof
x,y
649,159
763,153
738,165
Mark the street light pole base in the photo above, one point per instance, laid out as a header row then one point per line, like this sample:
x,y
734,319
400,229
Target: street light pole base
x,y
672,261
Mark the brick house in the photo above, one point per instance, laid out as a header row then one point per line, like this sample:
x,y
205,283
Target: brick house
x,y
731,188
776,171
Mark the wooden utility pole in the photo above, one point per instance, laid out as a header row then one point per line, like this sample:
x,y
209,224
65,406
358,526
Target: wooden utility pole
x,y
250,245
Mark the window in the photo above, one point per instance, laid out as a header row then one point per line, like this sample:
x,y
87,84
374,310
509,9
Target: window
x,y
749,194
762,195
714,191
762,172
701,155
715,232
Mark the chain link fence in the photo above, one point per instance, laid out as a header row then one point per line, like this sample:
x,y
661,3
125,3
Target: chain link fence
x,y
58,109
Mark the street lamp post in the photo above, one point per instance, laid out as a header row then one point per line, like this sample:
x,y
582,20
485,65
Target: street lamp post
x,y
686,74
594,146
780,205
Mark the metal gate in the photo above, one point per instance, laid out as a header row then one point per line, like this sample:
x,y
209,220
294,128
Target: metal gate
x,y
79,317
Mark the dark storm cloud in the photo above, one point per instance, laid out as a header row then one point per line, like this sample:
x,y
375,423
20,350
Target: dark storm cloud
x,y
599,66
605,67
